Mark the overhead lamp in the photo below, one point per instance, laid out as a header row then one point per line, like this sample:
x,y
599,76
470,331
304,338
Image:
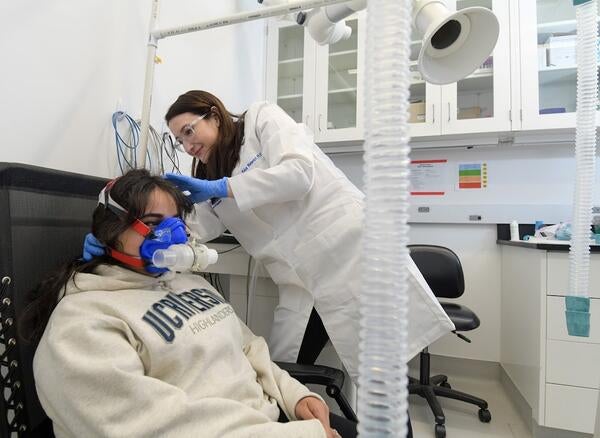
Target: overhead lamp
x,y
454,44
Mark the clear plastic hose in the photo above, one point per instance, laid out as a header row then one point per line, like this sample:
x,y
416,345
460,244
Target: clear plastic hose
x,y
585,157
382,390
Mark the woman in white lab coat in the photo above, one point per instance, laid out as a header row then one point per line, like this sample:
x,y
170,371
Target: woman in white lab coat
x,y
261,176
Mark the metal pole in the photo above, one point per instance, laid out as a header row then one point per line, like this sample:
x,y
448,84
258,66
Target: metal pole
x,y
158,34
242,17
148,84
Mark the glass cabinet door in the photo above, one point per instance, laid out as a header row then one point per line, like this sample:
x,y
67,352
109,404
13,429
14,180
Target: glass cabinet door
x,y
481,101
338,75
549,67
557,66
557,69
475,94
290,71
425,105
341,83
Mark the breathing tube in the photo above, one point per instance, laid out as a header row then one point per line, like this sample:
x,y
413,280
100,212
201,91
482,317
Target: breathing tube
x,y
382,382
577,302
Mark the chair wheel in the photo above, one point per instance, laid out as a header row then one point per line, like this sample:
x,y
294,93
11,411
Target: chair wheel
x,y
445,385
484,415
440,431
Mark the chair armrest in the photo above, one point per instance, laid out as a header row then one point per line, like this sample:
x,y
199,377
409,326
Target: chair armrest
x,y
331,378
318,374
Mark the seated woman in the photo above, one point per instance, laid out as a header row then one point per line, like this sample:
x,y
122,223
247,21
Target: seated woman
x,y
129,350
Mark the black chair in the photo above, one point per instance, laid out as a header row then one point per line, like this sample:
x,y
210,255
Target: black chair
x,y
54,207
331,378
443,272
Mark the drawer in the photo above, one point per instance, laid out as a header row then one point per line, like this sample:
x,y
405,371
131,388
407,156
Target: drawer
x,y
556,327
571,408
558,274
573,363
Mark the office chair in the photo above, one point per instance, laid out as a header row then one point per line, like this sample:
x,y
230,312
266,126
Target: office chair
x,y
54,207
443,273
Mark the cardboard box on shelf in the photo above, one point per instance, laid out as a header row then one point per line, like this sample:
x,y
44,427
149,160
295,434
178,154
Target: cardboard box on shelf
x,y
473,112
542,56
416,112
415,74
561,51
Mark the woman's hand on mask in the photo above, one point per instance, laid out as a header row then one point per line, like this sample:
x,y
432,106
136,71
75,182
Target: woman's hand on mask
x,y
310,408
200,189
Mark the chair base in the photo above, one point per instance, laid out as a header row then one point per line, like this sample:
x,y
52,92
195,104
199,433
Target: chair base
x,y
430,388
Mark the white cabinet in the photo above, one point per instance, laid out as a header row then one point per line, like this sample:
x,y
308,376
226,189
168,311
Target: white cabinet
x,y
318,85
322,86
557,374
290,71
479,103
526,87
548,65
425,108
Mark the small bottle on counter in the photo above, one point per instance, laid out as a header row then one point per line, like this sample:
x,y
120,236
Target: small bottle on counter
x,y
514,230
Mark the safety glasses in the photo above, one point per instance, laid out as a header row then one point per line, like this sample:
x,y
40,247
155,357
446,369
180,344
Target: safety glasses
x,y
187,132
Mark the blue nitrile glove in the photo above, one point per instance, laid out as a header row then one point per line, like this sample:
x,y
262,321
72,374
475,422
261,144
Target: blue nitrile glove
x,y
92,247
200,189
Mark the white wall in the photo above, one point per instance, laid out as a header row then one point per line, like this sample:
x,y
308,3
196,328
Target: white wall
x,y
526,175
67,64
475,245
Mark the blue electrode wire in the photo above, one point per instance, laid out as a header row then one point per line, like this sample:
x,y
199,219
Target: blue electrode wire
x,y
162,145
168,148
121,143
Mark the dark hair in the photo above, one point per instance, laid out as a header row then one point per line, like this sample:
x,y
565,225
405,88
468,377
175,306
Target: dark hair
x,y
132,191
226,152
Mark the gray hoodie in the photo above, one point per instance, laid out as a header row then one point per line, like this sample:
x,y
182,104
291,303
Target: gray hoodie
x,y
129,355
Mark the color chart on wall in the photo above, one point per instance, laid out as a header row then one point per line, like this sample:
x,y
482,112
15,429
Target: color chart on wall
x,y
472,176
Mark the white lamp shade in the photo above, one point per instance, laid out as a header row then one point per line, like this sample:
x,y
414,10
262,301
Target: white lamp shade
x,y
455,45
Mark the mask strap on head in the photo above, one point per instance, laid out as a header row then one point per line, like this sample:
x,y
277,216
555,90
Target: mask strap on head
x,y
136,262
105,199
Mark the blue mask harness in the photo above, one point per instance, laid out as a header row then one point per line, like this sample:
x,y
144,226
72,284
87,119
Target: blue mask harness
x,y
168,232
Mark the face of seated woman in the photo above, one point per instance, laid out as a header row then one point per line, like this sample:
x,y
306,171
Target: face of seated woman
x,y
160,206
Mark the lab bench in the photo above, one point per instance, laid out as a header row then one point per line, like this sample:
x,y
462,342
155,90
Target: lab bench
x,y
237,266
558,375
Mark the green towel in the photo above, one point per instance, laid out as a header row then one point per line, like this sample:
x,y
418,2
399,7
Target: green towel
x,y
578,316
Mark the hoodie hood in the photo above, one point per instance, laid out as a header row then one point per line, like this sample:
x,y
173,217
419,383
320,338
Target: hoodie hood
x,y
113,278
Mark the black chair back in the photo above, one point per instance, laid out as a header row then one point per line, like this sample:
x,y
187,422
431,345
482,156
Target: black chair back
x,y
44,215
441,269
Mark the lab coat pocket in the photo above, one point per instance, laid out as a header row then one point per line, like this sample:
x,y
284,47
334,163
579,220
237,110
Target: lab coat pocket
x,y
330,260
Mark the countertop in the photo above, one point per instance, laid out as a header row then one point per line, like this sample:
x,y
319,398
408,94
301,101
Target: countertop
x,y
550,246
225,238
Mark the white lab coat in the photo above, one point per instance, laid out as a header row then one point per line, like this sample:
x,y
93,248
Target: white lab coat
x,y
295,212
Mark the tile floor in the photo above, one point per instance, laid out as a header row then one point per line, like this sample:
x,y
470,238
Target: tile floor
x,y
462,420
